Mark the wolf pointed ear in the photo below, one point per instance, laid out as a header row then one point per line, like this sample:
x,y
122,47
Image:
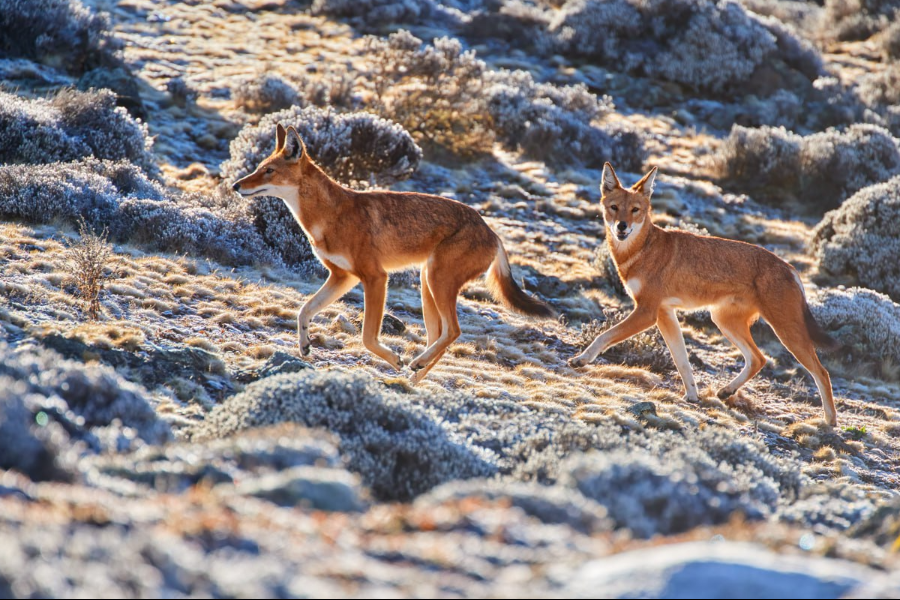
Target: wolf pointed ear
x,y
609,181
645,185
294,148
280,135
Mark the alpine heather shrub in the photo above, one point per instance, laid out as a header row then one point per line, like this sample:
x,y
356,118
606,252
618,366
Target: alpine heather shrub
x,y
48,403
863,320
558,124
450,99
403,444
368,14
179,225
70,126
709,45
265,94
351,147
66,191
120,197
671,483
437,92
857,243
399,451
890,42
59,33
819,170
847,20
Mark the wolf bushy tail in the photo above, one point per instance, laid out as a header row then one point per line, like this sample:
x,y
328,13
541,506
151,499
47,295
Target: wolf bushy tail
x,y
819,336
505,289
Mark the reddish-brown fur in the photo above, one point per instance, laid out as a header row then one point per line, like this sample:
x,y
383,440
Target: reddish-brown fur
x,y
739,282
361,236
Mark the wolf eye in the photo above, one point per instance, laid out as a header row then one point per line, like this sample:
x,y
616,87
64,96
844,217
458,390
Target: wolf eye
x,y
269,170
635,210
614,208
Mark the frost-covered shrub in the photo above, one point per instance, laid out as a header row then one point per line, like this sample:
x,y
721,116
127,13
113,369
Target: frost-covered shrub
x,y
180,225
819,170
858,243
59,33
402,444
557,124
351,147
802,15
47,404
882,87
674,484
265,94
90,189
865,321
174,468
119,197
398,450
281,232
890,41
550,504
70,126
181,92
517,22
450,99
372,13
833,505
437,92
846,20
714,46
329,88
41,193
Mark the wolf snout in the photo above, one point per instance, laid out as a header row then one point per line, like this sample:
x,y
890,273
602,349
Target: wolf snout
x,y
236,186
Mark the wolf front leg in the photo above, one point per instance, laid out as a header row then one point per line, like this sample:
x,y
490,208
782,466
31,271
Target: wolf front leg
x,y
338,283
641,318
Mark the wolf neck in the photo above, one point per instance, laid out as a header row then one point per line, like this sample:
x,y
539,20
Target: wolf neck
x,y
315,198
626,253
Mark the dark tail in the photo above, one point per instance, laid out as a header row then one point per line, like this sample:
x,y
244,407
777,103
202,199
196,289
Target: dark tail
x,y
819,337
504,288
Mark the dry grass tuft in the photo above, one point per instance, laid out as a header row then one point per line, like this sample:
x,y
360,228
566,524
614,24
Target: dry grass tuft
x,y
87,261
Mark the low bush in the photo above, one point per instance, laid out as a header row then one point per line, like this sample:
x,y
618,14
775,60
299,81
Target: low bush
x,y
716,46
857,244
265,94
866,322
450,100
48,405
69,126
60,33
818,170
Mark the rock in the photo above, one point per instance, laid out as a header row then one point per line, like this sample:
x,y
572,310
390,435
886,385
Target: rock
x,y
716,570
332,490
282,362
641,408
346,325
278,363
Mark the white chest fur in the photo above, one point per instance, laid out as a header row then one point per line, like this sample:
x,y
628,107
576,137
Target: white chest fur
x,y
339,260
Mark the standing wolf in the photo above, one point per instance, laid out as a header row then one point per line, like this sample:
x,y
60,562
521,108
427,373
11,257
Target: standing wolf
x,y
361,236
666,270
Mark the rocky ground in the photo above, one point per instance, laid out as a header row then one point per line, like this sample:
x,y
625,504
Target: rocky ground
x,y
180,445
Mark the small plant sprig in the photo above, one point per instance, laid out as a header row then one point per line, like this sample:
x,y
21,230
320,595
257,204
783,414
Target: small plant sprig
x,y
856,433
86,263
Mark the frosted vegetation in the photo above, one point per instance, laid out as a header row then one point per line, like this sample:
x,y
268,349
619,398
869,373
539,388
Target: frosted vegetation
x,y
180,445
858,244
